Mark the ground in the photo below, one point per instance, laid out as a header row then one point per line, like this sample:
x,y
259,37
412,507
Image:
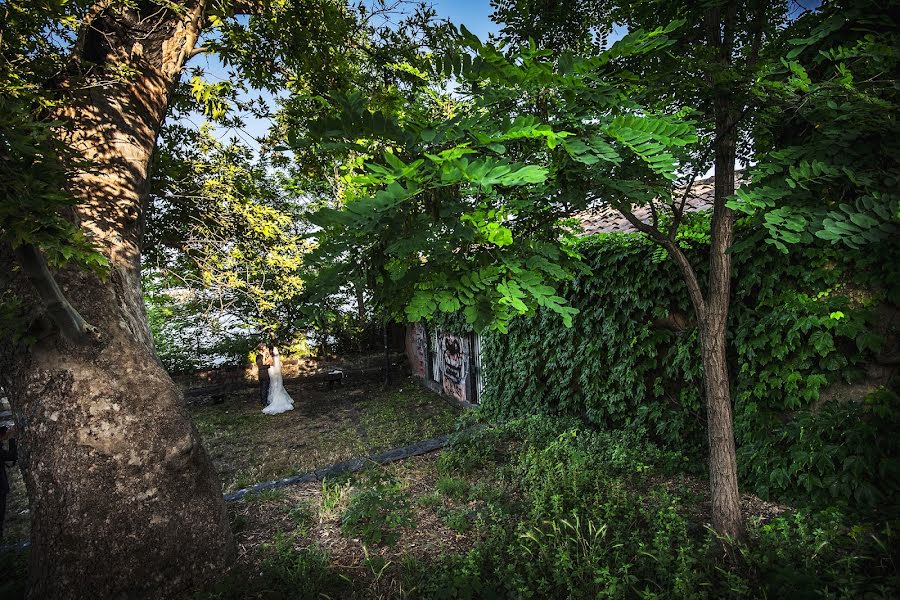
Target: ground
x,y
328,425
305,521
533,507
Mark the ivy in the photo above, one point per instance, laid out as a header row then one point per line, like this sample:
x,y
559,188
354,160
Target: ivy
x,y
800,323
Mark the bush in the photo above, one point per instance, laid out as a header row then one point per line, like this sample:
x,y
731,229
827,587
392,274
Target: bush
x,y
600,520
799,323
376,514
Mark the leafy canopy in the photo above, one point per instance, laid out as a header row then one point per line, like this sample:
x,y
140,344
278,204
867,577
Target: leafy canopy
x,y
461,201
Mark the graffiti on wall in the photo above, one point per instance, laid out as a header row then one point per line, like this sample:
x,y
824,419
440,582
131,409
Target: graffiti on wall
x,y
451,360
417,348
455,355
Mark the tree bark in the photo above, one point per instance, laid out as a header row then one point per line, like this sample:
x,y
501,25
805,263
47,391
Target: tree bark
x,y
726,506
124,500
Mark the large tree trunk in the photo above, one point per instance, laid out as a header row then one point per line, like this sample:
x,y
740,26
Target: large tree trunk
x,y
124,500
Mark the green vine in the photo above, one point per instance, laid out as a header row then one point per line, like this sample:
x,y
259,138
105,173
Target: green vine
x,y
800,324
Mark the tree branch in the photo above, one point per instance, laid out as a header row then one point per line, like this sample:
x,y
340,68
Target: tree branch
x,y
196,52
59,309
690,278
653,233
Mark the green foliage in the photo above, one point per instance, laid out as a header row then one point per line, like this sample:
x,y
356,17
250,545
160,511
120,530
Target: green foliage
x,y
377,513
224,237
446,205
35,166
592,527
799,324
827,139
844,452
300,573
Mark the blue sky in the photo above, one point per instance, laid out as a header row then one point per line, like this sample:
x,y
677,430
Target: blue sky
x,y
474,14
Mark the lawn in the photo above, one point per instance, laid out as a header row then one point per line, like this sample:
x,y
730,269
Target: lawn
x,y
326,426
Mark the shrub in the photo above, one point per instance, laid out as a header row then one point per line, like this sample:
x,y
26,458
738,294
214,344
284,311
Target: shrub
x,y
376,514
799,323
599,520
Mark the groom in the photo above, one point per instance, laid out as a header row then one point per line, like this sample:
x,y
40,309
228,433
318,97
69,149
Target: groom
x,y
263,362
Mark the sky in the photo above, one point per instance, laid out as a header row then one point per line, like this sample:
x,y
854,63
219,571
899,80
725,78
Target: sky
x,y
474,14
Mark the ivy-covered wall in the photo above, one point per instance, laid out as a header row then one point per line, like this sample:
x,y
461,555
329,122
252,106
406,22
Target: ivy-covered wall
x,y
816,413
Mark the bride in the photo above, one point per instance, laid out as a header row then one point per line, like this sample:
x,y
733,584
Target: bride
x,y
279,400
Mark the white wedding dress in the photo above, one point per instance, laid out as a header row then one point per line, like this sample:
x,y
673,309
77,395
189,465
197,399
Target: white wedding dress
x,y
279,400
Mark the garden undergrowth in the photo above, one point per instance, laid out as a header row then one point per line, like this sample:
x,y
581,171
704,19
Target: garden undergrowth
x,y
545,507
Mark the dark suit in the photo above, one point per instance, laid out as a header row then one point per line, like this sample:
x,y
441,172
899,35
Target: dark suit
x,y
263,360
9,453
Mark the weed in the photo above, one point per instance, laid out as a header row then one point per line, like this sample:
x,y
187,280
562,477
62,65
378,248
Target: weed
x,y
454,488
376,514
432,500
286,572
457,519
334,496
303,515
376,563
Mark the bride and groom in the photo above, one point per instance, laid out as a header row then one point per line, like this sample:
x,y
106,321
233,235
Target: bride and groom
x,y
271,382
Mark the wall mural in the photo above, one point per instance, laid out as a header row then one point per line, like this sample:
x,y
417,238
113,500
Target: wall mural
x,y
456,365
453,360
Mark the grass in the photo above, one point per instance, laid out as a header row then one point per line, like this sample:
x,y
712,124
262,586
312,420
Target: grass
x,y
454,487
326,427
546,513
404,416
246,446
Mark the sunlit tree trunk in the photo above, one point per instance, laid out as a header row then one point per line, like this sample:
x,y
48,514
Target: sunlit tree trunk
x,y
124,500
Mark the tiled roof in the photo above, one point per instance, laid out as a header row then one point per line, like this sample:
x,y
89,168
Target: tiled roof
x,y
608,220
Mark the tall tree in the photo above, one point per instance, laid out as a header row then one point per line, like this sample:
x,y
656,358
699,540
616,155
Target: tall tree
x,y
702,69
120,487
709,71
124,500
